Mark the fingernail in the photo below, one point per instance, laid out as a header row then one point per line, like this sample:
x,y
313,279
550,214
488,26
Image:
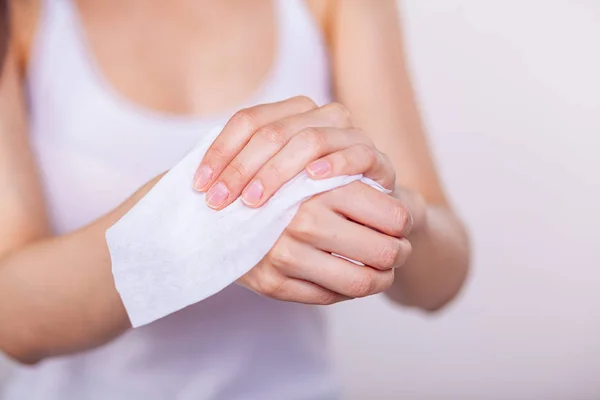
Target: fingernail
x,y
202,177
319,168
253,193
217,195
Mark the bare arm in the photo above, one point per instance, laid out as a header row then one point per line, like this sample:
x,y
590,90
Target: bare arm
x,y
372,80
57,294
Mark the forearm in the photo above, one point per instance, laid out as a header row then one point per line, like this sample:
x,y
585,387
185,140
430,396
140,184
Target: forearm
x,y
57,295
438,264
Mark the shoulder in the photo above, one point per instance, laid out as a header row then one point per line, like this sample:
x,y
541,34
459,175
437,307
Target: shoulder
x,y
24,18
333,14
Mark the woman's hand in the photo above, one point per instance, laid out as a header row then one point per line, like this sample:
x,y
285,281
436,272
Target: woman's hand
x,y
263,147
301,268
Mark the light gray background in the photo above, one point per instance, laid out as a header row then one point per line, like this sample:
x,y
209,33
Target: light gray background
x,y
510,91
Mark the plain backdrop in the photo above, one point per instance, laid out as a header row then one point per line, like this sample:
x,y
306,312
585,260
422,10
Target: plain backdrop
x,y
510,92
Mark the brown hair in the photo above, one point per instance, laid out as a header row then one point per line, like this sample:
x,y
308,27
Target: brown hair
x,y
4,30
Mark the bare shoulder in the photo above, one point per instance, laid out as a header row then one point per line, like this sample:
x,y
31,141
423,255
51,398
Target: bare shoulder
x,y
24,21
326,11
336,16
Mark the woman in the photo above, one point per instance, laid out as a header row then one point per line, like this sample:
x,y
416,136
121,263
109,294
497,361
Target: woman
x,y
99,98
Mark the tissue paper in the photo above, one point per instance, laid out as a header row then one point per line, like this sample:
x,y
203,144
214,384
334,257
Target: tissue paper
x,y
171,250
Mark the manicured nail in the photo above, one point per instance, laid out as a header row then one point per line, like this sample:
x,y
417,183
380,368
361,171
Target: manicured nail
x,y
319,168
253,193
217,195
202,177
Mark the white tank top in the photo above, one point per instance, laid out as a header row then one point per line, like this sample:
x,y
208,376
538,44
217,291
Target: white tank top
x,y
94,149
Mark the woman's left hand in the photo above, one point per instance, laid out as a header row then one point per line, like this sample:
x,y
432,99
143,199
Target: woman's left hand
x,y
263,147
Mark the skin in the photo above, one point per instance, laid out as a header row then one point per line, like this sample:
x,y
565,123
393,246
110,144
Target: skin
x,y
57,295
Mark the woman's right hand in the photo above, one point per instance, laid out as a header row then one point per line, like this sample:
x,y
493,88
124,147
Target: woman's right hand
x,y
301,268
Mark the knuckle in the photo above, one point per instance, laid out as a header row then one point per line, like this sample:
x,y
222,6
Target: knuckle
x,y
247,118
389,254
314,139
339,112
270,284
399,219
304,224
272,133
305,102
368,153
272,172
237,169
216,151
362,286
326,298
341,161
281,256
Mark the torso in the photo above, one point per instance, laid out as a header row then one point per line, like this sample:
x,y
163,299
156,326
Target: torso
x,y
180,57
118,91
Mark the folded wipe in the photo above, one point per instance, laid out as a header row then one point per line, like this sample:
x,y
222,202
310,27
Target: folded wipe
x,y
171,250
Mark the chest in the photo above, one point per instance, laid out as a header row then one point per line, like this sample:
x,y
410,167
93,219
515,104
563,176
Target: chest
x,y
101,115
182,57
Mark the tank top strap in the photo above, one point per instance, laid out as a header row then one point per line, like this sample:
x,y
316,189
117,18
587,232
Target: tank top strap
x,y
58,28
294,16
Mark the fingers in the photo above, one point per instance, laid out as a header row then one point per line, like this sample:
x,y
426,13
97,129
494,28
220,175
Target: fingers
x,y
308,145
262,146
361,158
299,291
332,233
368,206
238,131
266,280
302,261
284,288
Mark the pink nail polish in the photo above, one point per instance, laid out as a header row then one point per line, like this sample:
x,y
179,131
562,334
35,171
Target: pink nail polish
x,y
202,177
217,195
253,193
319,168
